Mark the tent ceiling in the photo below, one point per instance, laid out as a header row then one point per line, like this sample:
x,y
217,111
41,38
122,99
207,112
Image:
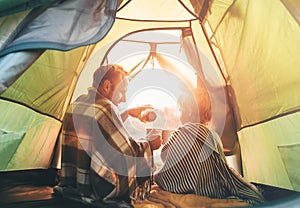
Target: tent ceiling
x,y
156,10
157,36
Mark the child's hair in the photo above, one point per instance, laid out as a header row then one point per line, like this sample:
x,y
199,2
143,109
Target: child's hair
x,y
198,104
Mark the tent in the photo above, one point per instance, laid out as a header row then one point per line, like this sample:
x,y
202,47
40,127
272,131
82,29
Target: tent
x,y
242,53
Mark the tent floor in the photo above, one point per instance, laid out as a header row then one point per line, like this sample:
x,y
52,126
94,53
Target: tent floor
x,y
33,188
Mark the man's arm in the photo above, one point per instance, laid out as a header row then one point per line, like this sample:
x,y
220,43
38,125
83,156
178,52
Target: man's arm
x,y
137,113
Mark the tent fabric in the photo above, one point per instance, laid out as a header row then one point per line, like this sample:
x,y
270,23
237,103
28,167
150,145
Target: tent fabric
x,y
28,140
253,49
84,22
81,22
23,61
215,90
50,78
9,23
177,13
12,7
269,150
46,97
294,7
258,54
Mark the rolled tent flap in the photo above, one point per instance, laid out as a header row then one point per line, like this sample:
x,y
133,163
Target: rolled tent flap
x,y
222,116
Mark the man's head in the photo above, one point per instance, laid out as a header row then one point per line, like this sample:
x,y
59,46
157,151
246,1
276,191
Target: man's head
x,y
110,81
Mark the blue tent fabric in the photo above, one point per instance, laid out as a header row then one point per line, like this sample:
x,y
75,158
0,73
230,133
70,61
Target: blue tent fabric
x,y
8,7
90,22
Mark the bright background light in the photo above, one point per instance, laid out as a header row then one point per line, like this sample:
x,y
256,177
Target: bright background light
x,y
155,97
160,89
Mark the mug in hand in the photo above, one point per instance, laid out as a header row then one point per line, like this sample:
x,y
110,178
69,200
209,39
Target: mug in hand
x,y
155,140
149,115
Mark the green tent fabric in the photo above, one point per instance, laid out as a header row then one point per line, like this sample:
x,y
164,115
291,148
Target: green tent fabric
x,y
263,71
26,144
251,45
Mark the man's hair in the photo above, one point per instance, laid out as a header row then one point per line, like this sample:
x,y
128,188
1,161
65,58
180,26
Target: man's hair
x,y
107,72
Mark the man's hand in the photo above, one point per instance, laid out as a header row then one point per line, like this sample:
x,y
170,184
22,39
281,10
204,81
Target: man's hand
x,y
137,112
155,141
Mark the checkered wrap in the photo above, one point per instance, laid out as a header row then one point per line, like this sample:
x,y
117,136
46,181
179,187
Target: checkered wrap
x,y
95,141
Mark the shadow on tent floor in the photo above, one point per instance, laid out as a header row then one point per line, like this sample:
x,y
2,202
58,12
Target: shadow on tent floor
x,y
33,188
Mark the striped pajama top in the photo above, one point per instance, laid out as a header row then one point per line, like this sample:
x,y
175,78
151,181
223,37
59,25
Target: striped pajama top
x,y
194,162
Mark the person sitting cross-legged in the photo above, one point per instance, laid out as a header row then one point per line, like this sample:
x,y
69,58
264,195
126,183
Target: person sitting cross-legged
x,y
101,163
194,160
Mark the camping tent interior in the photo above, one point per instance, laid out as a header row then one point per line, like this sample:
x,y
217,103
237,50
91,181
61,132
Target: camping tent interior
x,y
240,53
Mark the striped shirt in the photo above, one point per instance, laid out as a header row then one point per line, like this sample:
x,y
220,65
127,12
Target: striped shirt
x,y
99,159
194,162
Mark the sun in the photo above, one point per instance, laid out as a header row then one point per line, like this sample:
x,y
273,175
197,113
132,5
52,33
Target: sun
x,y
155,86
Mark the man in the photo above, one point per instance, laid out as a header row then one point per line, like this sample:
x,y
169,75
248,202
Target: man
x,y
100,162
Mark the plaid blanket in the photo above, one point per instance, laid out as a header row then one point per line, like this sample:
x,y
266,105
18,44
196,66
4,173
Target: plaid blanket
x,y
96,146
